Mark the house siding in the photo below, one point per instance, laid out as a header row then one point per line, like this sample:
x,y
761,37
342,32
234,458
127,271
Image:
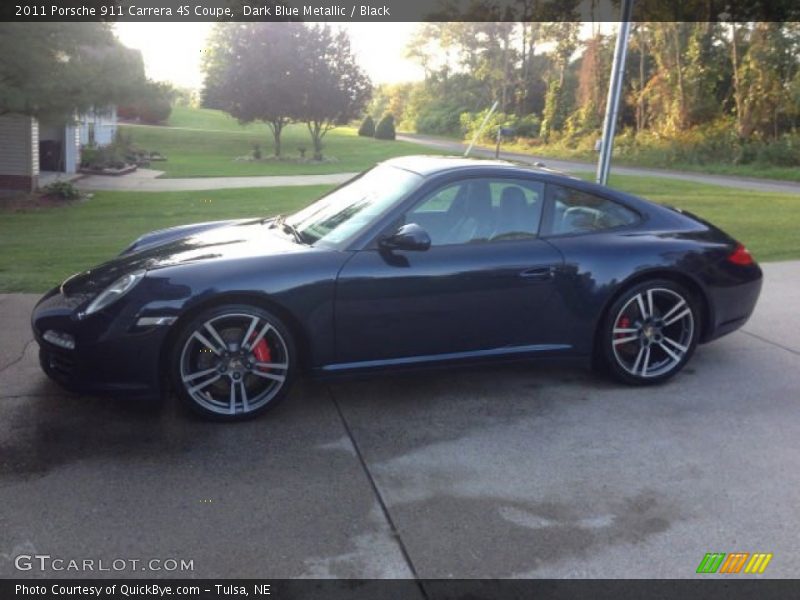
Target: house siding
x,y
72,149
105,126
19,152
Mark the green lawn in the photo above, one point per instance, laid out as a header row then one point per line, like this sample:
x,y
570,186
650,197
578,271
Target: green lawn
x,y
765,222
206,143
39,248
654,161
206,118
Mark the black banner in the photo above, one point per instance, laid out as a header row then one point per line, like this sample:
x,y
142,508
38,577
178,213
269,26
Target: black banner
x,y
395,10
718,588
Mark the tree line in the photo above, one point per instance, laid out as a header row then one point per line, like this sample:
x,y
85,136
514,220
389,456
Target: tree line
x,y
734,87
280,73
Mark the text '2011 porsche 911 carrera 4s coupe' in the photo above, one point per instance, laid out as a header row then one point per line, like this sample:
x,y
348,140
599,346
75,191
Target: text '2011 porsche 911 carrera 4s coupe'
x,y
418,261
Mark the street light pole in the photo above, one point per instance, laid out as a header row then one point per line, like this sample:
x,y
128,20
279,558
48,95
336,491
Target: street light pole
x,y
614,93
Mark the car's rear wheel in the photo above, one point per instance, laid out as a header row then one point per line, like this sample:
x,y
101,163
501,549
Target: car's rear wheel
x,y
233,362
650,332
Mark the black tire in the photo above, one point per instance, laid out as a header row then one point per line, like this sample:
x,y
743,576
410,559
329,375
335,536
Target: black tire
x,y
650,332
216,363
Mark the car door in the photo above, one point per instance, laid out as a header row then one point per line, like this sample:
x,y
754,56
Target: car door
x,y
482,288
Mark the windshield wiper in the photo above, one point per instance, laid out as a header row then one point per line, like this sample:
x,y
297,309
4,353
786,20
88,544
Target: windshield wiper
x,y
280,221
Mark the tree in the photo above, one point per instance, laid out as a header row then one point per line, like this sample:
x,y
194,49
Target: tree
x,y
764,60
593,76
251,72
334,89
385,129
565,36
55,70
153,105
367,128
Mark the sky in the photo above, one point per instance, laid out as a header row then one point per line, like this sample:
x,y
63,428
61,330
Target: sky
x,y
173,51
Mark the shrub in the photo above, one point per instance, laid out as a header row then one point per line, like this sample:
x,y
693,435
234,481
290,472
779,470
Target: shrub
x,y
439,119
367,128
385,129
89,156
471,122
528,126
256,152
62,189
114,156
783,152
105,157
152,104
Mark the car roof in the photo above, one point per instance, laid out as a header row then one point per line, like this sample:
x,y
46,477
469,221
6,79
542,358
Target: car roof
x,y
432,165
426,165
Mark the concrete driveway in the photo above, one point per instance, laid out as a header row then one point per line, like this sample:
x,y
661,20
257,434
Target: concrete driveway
x,y
506,471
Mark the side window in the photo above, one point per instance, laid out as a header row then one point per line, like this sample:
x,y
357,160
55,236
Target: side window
x,y
480,210
440,201
574,211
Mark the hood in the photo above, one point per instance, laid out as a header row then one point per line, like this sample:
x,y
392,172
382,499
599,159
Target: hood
x,y
222,240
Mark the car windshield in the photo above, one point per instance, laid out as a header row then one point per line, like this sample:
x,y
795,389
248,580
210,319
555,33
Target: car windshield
x,y
340,214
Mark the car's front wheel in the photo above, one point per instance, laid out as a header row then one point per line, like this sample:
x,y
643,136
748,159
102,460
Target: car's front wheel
x,y
650,332
233,362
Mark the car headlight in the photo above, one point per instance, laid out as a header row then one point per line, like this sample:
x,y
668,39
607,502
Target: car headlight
x,y
115,291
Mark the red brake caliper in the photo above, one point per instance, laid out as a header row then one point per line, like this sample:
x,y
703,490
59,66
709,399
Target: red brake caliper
x,y
623,323
261,352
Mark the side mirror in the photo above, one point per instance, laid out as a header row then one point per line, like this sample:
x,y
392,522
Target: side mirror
x,y
409,237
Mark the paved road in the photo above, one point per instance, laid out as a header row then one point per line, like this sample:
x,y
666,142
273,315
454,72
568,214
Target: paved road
x,y
744,183
146,180
506,471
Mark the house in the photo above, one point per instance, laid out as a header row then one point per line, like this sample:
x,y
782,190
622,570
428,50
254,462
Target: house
x,y
19,153
33,151
98,127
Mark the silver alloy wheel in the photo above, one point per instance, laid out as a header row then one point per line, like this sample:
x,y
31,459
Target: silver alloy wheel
x,y
652,332
220,366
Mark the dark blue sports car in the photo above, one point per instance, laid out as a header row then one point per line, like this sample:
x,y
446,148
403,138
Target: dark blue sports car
x,y
418,261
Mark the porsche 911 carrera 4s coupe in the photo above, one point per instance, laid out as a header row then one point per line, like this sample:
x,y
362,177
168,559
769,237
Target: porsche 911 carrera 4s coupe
x,y
418,261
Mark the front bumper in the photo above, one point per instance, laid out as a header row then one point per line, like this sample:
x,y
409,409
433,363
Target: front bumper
x,y
111,355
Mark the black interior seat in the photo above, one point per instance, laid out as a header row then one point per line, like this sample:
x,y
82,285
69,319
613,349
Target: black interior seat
x,y
476,218
515,216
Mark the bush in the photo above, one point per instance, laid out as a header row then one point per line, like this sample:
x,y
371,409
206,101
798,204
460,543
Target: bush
x,y
528,126
89,156
439,119
367,128
105,157
385,129
116,155
152,104
470,124
783,152
62,189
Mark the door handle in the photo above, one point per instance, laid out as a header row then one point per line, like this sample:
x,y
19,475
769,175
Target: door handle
x,y
538,273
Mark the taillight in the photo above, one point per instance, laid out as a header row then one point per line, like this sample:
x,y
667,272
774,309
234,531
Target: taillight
x,y
741,256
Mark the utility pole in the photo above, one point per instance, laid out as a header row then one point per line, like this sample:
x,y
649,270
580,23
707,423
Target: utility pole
x,y
614,93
